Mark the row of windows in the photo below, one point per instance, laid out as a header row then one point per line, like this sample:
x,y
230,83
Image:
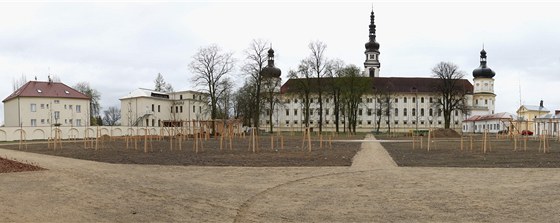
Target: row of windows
x,y
369,122
177,109
33,107
370,100
370,111
47,121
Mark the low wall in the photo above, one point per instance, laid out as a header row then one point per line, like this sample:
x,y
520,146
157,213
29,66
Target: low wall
x,y
44,133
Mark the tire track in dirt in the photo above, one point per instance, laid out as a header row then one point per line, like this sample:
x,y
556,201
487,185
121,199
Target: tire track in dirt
x,y
371,157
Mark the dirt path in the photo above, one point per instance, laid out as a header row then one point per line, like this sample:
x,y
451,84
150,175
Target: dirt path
x,y
372,156
371,190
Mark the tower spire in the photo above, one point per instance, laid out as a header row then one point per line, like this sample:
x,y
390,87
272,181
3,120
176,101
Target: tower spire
x,y
372,64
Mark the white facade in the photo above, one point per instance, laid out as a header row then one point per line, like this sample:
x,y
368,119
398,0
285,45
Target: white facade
x,y
493,123
43,104
145,107
410,111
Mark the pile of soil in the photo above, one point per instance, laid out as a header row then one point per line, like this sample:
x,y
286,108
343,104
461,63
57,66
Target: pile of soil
x,y
9,166
445,133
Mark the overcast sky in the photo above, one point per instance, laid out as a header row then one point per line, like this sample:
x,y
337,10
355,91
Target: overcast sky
x,y
118,47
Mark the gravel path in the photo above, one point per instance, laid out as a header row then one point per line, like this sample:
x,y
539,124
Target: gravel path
x,y
373,189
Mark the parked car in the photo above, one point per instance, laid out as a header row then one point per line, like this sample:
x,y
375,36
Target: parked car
x,y
526,133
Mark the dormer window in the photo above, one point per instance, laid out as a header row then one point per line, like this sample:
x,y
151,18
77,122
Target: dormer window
x,y
66,92
39,91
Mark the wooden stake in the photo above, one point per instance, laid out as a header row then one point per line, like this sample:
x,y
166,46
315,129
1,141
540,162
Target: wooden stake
x,y
429,139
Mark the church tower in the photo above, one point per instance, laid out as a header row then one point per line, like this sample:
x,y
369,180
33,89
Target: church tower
x,y
484,98
372,64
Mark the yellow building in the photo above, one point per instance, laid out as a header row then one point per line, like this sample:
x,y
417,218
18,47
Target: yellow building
x,y
527,114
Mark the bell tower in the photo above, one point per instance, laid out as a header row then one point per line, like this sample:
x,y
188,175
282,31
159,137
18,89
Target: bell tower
x,y
372,64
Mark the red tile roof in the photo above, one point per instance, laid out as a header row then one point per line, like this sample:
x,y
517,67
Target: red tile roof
x,y
46,90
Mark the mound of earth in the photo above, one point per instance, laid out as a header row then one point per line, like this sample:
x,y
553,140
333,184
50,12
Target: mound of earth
x,y
445,133
8,166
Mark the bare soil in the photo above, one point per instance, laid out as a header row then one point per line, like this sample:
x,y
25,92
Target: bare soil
x,y
9,166
209,153
446,152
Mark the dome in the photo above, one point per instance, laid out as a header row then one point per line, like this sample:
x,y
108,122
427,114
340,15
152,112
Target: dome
x,y
269,71
483,71
372,46
271,51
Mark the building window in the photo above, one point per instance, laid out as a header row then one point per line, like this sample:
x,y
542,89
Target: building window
x,y
287,122
405,122
360,112
295,101
414,112
327,111
159,108
147,122
295,112
476,102
422,100
176,109
287,112
70,120
193,97
153,106
327,100
70,107
404,112
181,97
193,108
56,115
439,112
57,101
404,99
181,109
153,122
78,108
439,122
422,122
42,106
485,101
33,122
396,100
431,112
33,107
311,100
396,112
414,100
310,111
369,111
65,107
327,122
43,121
431,100
295,122
421,112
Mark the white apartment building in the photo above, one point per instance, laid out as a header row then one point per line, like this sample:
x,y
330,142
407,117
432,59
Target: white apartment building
x,y
40,104
145,107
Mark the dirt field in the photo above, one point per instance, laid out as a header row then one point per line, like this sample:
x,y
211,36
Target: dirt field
x,y
9,166
446,152
373,189
209,153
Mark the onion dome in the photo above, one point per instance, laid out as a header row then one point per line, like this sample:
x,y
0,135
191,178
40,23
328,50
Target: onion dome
x,y
372,45
483,71
270,71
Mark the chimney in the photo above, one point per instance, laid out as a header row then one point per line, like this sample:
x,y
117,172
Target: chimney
x,y
541,105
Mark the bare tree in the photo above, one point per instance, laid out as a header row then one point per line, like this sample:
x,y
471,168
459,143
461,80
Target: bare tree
x,y
318,63
353,87
334,71
271,97
161,85
210,66
17,83
303,80
450,89
225,98
255,61
94,105
384,105
243,102
112,116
